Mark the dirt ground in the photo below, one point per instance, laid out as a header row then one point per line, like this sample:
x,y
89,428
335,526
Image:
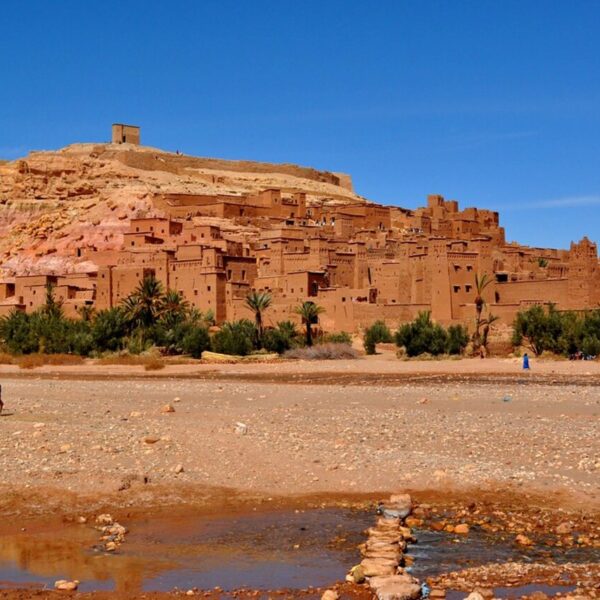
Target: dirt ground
x,y
78,440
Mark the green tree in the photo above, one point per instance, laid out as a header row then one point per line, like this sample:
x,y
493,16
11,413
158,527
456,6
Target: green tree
x,y
173,309
109,329
236,338
195,341
377,333
144,306
258,303
309,312
52,308
280,338
457,339
422,335
539,329
86,312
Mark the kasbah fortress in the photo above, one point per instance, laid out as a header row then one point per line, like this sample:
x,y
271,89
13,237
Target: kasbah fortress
x,y
94,219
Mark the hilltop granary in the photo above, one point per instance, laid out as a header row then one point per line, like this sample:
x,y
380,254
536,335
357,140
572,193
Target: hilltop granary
x,y
360,261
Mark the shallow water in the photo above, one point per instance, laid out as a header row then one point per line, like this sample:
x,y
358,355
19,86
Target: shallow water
x,y
274,550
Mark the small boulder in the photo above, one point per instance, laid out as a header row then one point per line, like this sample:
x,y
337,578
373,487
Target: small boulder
x,y
67,586
167,408
399,591
462,528
241,428
523,540
178,469
402,502
475,596
330,595
564,528
357,573
104,519
373,567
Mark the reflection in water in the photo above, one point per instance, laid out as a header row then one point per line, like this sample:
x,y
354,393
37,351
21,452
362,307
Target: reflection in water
x,y
42,558
280,549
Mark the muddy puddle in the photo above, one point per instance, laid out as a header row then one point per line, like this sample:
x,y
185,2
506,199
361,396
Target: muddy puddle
x,y
275,550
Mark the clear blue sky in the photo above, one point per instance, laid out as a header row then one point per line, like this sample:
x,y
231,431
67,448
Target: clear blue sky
x,y
496,104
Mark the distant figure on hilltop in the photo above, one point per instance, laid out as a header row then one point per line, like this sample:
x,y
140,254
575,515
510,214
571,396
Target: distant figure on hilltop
x,y
525,362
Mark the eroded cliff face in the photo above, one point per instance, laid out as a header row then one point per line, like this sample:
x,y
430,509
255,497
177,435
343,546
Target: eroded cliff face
x,y
54,203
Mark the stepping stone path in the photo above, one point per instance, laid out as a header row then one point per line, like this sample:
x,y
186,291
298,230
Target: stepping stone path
x,y
383,553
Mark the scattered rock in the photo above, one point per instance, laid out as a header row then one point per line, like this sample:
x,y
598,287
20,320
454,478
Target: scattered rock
x,y
241,428
69,586
399,591
167,408
564,528
178,469
523,540
330,595
462,528
373,567
104,519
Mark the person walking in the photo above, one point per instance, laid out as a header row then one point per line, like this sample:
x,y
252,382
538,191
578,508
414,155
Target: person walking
x,y
525,362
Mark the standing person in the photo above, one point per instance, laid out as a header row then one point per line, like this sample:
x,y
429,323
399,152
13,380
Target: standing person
x,y
526,362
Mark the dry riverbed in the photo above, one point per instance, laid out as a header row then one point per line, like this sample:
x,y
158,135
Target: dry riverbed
x,y
475,441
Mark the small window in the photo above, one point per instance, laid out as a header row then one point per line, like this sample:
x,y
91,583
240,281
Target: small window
x,y
243,275
456,289
468,288
208,288
469,268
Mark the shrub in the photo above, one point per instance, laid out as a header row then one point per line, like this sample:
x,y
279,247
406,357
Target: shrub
x,y
422,335
195,341
108,330
153,364
323,352
31,361
542,330
235,338
340,337
378,332
458,339
6,359
280,338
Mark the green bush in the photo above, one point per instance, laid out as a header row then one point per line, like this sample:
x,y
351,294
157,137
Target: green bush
x,y
548,330
340,337
280,338
424,336
377,333
458,338
109,329
235,338
195,341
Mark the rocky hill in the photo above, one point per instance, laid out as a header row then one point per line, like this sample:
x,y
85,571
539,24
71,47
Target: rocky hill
x,y
52,203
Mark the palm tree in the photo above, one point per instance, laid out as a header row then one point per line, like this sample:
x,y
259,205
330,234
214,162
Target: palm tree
x,y
52,308
486,328
143,307
86,312
174,308
258,302
480,284
309,311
